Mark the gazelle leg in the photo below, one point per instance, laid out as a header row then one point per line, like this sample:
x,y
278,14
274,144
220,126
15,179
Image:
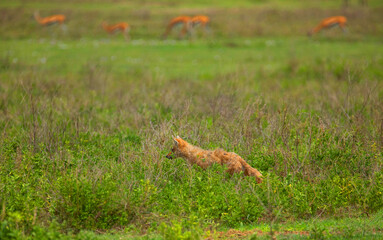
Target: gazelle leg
x,y
183,32
64,28
344,28
126,36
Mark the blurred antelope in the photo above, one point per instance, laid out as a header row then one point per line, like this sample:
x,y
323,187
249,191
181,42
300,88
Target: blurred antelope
x,y
201,21
329,23
185,21
50,20
123,27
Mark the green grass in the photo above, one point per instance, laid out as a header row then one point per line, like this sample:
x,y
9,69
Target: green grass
x,y
181,59
251,19
84,133
346,228
86,120
172,4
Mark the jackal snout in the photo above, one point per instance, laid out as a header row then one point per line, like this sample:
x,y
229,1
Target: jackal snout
x,y
169,156
174,152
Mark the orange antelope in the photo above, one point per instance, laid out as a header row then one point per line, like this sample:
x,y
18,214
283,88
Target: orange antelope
x,y
185,21
330,22
46,21
123,27
200,21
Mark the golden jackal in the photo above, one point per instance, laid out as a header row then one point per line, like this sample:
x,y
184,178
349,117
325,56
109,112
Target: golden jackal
x,y
205,158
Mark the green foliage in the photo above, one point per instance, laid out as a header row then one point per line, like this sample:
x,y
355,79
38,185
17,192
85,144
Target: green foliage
x,y
317,233
86,203
186,229
6,232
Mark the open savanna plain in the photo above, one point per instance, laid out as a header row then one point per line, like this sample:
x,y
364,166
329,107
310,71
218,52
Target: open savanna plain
x,y
86,121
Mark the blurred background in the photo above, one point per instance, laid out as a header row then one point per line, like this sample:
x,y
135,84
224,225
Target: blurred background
x,y
245,18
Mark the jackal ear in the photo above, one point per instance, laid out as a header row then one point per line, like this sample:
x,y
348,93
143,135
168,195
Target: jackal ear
x,y
179,141
175,140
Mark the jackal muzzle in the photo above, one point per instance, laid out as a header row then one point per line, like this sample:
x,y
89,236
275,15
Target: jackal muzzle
x,y
169,156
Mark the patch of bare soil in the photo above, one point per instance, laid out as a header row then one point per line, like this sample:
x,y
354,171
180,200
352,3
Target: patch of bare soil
x,y
241,234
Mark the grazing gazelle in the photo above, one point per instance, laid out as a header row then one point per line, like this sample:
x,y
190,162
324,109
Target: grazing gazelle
x,y
201,21
185,21
329,23
123,27
46,21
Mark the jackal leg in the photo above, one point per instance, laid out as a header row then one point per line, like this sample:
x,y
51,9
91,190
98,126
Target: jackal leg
x,y
234,167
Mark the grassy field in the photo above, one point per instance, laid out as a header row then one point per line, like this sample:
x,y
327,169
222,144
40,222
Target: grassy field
x,y
86,120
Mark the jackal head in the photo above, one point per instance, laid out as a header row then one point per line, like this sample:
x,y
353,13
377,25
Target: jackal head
x,y
177,149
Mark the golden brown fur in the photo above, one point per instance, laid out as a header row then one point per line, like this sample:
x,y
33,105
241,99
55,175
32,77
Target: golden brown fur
x,y
330,22
123,27
205,158
185,21
45,21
